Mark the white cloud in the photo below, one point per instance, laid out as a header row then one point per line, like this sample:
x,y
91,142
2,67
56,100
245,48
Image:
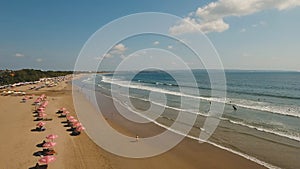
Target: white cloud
x,y
170,47
107,55
19,55
243,30
156,43
118,49
210,18
39,60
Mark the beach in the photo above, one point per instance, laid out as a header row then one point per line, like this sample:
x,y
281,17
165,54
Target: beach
x,y
200,84
18,142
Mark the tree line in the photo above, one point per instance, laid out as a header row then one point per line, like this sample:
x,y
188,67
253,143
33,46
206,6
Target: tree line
x,y
27,75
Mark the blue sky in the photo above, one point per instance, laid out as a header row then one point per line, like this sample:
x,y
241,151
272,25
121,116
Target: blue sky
x,y
250,34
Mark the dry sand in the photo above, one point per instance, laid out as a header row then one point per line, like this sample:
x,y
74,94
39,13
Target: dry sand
x,y
18,142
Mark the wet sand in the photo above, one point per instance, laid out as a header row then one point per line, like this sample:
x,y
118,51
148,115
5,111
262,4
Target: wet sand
x,y
187,154
18,142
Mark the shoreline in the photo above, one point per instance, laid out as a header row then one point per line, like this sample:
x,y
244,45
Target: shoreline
x,y
120,123
269,148
82,152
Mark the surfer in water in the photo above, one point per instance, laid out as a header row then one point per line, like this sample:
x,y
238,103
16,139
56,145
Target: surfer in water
x,y
234,107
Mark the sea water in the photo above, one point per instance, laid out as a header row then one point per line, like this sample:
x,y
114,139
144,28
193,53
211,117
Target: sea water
x,y
265,126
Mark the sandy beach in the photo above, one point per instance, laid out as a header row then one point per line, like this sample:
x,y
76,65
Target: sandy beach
x,y
18,143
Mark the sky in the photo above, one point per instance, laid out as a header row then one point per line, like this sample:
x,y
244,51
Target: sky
x,y
251,35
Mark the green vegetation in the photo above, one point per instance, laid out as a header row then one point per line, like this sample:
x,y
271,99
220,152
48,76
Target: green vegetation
x,y
27,75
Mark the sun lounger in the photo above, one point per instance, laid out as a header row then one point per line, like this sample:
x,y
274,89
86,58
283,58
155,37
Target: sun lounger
x,y
40,128
75,133
37,166
47,119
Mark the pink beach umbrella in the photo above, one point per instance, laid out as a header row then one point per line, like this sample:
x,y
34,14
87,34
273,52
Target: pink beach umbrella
x,y
62,109
51,137
66,113
80,128
40,109
37,100
44,104
76,124
49,144
42,114
47,159
70,117
40,124
73,120
42,96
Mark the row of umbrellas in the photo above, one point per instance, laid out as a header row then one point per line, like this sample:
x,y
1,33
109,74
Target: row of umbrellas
x,y
42,107
72,121
43,103
40,99
50,144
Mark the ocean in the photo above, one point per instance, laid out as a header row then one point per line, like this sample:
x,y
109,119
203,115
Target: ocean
x,y
264,128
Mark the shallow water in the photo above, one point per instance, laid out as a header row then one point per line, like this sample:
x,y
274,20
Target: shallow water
x,y
266,124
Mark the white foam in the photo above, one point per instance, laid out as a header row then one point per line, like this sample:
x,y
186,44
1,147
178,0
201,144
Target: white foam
x,y
289,136
266,108
260,162
296,138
